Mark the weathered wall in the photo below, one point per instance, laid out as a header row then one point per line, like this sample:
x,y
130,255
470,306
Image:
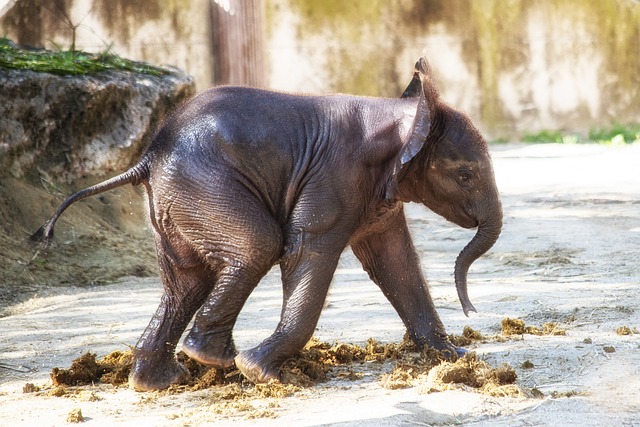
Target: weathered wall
x,y
513,65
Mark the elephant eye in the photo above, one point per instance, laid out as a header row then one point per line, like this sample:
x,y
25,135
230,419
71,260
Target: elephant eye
x,y
464,177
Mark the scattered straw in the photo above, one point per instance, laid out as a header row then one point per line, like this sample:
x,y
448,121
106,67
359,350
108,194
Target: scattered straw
x,y
625,330
518,327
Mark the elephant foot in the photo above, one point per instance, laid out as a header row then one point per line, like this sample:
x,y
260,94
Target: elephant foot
x,y
451,352
210,351
440,342
254,369
146,376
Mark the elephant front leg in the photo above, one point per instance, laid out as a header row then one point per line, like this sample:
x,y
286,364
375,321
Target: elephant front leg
x,y
306,277
210,341
254,250
388,255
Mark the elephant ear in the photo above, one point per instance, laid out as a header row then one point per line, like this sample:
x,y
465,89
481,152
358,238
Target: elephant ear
x,y
415,86
420,86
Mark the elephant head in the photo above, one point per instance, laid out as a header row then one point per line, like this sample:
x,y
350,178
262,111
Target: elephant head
x,y
450,171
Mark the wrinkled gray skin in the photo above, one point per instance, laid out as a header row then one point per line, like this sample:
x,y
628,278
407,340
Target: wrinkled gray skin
x,y
240,179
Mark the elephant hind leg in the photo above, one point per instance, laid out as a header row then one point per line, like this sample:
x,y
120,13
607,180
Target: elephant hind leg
x,y
185,288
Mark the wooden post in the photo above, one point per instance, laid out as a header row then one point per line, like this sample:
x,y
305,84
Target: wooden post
x,y
238,42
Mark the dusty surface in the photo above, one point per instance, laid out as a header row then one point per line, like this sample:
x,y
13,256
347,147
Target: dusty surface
x,y
97,241
568,254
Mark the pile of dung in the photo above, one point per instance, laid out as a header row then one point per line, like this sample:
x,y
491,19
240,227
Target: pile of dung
x,y
317,362
341,353
112,369
470,372
518,327
433,374
468,337
411,368
318,359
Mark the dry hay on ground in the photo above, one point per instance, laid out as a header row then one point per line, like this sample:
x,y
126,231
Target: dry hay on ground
x,y
625,330
470,372
232,394
518,327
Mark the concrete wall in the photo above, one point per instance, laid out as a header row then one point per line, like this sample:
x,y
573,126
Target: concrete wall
x,y
514,65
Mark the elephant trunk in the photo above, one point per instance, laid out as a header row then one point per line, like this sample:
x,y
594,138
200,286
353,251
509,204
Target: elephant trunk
x,y
487,234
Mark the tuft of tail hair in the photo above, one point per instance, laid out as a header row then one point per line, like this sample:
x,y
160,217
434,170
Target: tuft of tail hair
x,y
133,176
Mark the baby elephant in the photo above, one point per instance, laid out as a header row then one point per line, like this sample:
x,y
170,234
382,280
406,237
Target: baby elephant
x,y
240,179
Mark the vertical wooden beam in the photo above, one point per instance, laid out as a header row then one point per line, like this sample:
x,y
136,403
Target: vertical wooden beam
x,y
238,42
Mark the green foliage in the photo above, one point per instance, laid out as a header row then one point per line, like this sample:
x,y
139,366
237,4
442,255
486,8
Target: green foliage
x,y
616,134
499,140
544,136
68,62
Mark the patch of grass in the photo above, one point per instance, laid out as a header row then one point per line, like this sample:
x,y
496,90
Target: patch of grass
x,y
68,62
551,136
544,136
616,134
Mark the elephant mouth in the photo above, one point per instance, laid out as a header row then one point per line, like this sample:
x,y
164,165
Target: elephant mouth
x,y
460,217
469,223
465,220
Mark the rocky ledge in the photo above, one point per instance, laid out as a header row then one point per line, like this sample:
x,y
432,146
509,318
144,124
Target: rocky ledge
x,y
66,127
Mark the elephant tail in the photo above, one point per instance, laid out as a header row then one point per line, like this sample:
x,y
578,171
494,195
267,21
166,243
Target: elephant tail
x,y
134,176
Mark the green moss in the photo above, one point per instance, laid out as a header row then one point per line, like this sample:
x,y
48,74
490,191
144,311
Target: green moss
x,y
494,24
68,62
357,60
618,25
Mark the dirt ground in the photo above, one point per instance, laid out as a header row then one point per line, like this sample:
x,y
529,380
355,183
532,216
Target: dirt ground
x,y
568,254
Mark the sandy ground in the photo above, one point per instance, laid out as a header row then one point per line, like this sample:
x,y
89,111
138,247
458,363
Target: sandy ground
x,y
568,254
